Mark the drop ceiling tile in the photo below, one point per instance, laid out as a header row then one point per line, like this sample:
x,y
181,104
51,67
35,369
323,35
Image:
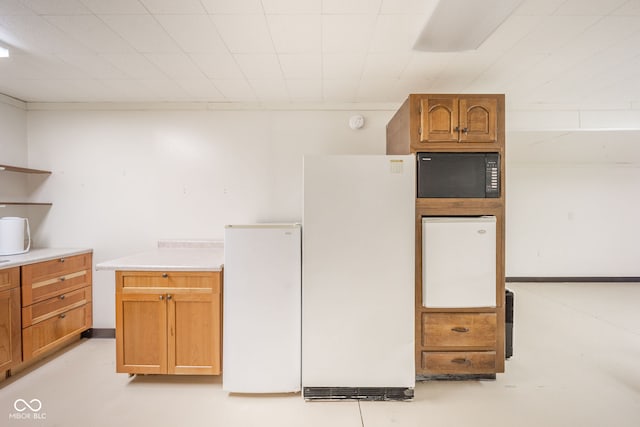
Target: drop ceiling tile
x,y
134,65
301,66
33,34
342,66
305,90
631,7
351,6
263,66
294,7
510,32
296,33
382,90
235,90
193,33
57,7
339,90
396,33
143,32
244,33
201,89
163,90
383,65
217,66
588,7
414,7
115,7
91,32
270,90
40,67
14,7
426,66
175,65
173,7
554,32
233,6
94,66
538,7
347,33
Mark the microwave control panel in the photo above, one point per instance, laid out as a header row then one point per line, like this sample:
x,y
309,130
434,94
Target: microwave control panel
x,y
492,179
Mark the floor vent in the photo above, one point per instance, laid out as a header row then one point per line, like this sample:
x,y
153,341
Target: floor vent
x,y
357,393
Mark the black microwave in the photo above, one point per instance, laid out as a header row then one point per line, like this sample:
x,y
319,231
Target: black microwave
x,y
459,175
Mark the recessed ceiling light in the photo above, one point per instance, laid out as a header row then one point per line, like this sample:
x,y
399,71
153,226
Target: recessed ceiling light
x,y
458,25
4,52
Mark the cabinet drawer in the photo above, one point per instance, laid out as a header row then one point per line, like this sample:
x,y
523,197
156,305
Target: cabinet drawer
x,y
41,271
168,279
54,286
459,329
480,362
47,334
9,278
43,310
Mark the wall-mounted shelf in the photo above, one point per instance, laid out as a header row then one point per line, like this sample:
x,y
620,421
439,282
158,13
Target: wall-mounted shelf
x,y
2,204
9,168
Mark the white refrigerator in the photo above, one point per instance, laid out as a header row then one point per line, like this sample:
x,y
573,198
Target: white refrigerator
x,y
358,277
459,262
262,311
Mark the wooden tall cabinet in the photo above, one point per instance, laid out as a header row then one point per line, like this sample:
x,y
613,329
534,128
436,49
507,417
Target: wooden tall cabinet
x,y
456,340
10,330
168,322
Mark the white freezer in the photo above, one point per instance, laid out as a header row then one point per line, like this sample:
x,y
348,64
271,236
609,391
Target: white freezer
x,y
358,271
261,325
459,262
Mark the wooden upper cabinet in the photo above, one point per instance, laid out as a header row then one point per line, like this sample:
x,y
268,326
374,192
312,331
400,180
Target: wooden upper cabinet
x,y
478,119
449,118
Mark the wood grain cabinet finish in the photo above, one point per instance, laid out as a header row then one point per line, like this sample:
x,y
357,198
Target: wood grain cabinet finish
x,y
455,340
56,303
10,330
168,322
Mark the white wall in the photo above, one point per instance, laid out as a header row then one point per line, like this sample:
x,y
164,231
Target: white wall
x,y
573,203
124,179
13,151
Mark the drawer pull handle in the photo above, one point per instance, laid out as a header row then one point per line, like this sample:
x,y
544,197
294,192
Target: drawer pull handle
x,y
459,361
62,316
61,260
460,329
165,275
62,279
61,297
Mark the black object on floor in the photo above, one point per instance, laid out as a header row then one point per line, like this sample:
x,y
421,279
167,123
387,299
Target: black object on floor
x,y
508,321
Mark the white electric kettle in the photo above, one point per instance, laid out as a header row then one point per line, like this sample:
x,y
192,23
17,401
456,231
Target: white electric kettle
x,y
12,240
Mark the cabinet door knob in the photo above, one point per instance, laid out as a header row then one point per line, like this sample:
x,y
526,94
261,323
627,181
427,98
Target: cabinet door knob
x,y
460,329
465,130
169,297
62,316
161,297
61,296
62,279
456,129
165,275
61,260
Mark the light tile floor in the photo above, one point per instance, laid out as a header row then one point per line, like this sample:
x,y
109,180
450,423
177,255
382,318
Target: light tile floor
x,y
576,363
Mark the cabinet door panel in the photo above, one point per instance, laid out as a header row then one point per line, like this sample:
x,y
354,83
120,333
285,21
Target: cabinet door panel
x,y
478,119
10,330
141,333
439,120
194,340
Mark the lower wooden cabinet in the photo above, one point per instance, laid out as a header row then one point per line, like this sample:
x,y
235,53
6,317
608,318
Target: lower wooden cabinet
x,y
56,303
459,343
10,339
168,322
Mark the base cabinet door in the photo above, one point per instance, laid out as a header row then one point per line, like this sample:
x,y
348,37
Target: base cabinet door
x,y
10,329
192,347
141,333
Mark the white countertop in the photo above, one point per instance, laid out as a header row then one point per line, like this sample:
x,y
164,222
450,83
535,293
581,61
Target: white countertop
x,y
39,255
169,259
